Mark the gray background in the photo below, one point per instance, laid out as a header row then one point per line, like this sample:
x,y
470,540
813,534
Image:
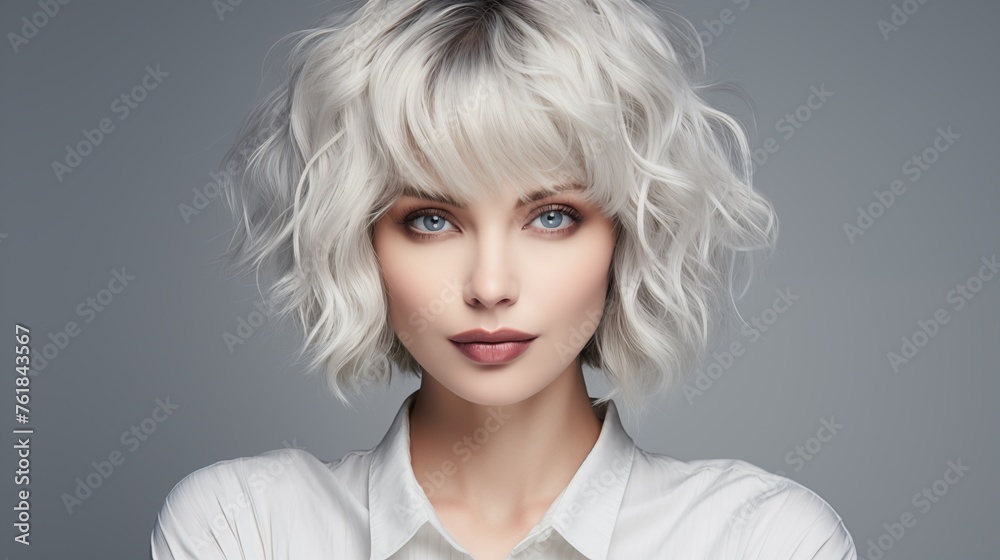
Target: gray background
x,y
825,356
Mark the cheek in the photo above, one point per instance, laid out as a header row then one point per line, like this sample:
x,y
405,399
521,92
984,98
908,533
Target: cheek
x,y
575,282
413,279
571,297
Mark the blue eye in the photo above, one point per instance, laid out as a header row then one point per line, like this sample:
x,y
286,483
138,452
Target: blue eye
x,y
433,222
552,219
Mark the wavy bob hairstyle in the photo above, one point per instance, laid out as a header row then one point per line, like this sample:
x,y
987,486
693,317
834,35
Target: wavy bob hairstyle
x,y
467,98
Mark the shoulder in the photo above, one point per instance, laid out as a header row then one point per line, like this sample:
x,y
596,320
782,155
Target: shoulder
x,y
733,481
761,514
272,472
219,510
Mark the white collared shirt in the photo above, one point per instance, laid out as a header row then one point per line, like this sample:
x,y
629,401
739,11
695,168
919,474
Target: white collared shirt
x,y
622,503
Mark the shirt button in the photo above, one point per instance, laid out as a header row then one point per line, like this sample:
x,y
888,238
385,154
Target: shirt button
x,y
544,535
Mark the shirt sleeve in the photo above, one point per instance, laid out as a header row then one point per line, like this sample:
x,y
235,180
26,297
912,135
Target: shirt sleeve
x,y
200,517
791,522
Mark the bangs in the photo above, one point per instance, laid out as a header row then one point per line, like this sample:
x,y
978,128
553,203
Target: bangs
x,y
479,107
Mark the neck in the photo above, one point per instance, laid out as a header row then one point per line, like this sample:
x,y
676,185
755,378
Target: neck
x,y
501,462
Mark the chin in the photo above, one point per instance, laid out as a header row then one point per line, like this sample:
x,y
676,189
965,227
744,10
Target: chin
x,y
493,388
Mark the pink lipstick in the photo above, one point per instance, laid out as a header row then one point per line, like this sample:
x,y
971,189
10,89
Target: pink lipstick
x,y
497,347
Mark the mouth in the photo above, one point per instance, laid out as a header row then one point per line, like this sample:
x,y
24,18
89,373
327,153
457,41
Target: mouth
x,y
500,335
497,347
493,352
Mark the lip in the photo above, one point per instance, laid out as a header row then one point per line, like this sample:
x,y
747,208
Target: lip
x,y
492,353
499,335
497,347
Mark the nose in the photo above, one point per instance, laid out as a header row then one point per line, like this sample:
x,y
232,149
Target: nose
x,y
492,278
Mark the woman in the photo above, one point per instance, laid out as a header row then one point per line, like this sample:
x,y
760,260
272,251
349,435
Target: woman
x,y
490,195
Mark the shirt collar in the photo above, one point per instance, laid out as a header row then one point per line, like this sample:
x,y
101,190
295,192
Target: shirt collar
x,y
584,513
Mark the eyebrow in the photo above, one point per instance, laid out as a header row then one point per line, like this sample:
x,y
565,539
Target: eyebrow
x,y
533,197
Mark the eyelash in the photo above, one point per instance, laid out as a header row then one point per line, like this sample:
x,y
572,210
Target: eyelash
x,y
413,215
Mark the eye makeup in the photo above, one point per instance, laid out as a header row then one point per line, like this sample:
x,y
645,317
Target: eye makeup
x,y
416,211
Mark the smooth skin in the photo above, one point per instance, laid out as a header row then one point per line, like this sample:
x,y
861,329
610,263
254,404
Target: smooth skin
x,y
494,445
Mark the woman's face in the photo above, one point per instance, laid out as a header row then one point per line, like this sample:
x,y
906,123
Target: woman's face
x,y
541,268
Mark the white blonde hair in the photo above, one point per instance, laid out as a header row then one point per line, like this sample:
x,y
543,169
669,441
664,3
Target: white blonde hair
x,y
462,99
